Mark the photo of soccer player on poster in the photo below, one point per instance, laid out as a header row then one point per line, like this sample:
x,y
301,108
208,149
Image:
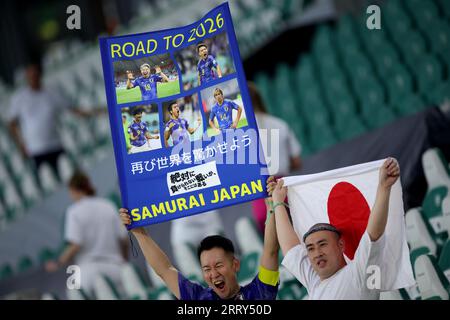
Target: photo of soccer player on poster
x,y
223,107
141,128
205,61
182,120
145,79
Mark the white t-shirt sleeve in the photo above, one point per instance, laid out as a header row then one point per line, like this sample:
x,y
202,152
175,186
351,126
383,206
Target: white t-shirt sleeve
x,y
14,108
294,146
73,231
119,229
297,263
369,253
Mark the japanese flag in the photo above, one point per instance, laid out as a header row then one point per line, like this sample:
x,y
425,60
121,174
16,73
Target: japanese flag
x,y
344,198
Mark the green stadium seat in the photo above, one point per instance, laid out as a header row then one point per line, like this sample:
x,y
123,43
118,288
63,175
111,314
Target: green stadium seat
x,y
291,290
413,47
386,59
438,35
429,73
370,92
24,264
444,259
399,24
445,7
358,67
323,39
433,285
346,32
399,84
409,105
321,137
46,254
5,271
441,93
424,12
351,128
377,116
248,237
249,267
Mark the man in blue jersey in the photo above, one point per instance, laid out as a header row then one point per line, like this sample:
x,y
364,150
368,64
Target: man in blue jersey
x,y
147,82
139,134
222,110
177,128
205,65
219,267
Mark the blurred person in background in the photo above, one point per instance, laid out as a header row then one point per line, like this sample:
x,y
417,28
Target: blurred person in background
x,y
280,164
33,119
96,239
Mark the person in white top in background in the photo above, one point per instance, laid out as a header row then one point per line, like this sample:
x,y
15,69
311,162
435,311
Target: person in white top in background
x,y
288,144
96,239
318,261
33,119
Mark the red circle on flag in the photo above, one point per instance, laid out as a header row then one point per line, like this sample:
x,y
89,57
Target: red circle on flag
x,y
349,212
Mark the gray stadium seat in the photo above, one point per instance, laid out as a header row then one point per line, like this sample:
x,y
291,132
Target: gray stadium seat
x,y
433,285
247,236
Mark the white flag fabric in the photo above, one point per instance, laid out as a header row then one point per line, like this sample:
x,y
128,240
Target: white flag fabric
x,y
344,197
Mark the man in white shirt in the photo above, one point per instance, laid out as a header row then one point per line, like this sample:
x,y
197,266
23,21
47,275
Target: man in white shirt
x,y
318,261
97,240
33,119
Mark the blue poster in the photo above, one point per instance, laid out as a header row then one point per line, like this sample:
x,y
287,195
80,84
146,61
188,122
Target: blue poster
x,y
183,127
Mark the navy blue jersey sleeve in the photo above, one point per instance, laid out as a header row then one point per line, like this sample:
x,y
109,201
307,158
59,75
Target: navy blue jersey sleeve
x,y
189,290
257,290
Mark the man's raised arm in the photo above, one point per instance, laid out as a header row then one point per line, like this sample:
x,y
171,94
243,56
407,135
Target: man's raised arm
x,y
389,173
157,259
287,237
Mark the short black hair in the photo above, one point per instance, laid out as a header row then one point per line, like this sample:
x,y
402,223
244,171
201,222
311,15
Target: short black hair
x,y
136,111
215,241
169,108
201,45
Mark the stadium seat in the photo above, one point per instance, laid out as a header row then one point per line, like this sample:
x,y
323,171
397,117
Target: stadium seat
x,y
13,202
441,93
77,294
66,167
5,271
47,178
291,290
444,259
433,285
105,289
429,73
399,84
3,217
418,235
30,189
445,7
386,59
411,104
133,282
424,12
247,236
161,293
413,47
437,174
49,296
189,264
377,116
249,267
24,264
394,295
46,254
